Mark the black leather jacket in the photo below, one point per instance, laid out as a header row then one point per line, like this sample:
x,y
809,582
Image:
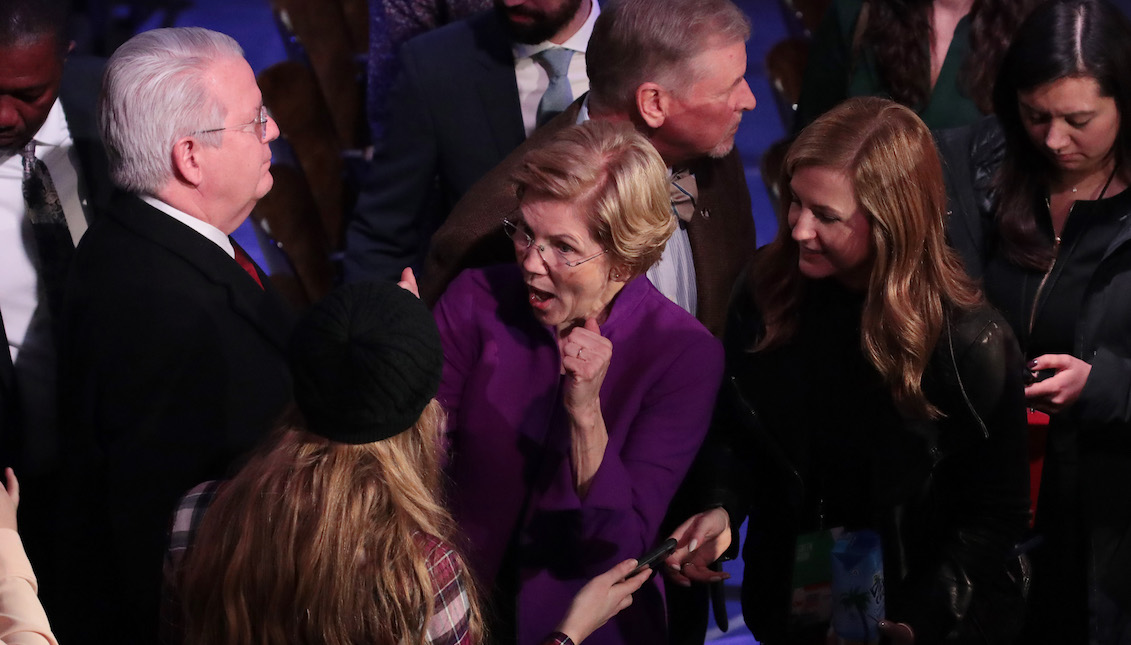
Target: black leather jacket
x,y
971,157
950,523
1096,431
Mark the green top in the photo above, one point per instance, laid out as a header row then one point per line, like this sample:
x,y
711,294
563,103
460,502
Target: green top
x,y
830,79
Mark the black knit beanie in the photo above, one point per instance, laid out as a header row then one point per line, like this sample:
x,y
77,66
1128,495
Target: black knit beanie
x,y
366,361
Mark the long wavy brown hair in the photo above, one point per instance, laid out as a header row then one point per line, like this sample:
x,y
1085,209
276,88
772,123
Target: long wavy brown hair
x,y
899,33
889,156
317,542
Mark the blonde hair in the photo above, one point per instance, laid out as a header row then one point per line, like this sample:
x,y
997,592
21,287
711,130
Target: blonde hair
x,y
612,173
890,158
316,541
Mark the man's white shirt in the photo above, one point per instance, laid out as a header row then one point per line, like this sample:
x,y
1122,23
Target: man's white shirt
x,y
532,78
208,231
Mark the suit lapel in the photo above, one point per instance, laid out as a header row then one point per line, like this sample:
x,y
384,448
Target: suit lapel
x,y
721,234
496,86
701,234
79,93
263,308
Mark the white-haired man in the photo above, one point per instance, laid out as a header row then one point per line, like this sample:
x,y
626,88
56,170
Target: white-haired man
x,y
173,339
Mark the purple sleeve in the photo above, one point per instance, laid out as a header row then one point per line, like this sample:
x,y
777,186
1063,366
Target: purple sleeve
x,y
643,466
454,314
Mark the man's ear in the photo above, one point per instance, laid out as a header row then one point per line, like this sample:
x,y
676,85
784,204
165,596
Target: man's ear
x,y
652,102
186,161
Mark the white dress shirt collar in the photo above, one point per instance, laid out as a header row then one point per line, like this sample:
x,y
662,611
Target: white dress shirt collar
x,y
54,131
583,113
578,42
210,232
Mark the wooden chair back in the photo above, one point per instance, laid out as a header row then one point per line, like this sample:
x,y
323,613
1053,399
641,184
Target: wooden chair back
x,y
290,91
289,215
328,40
785,68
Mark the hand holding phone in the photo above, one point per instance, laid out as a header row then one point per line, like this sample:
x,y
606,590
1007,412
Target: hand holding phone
x,y
1039,375
648,559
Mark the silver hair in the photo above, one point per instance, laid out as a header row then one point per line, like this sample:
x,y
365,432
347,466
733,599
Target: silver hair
x,y
640,41
154,92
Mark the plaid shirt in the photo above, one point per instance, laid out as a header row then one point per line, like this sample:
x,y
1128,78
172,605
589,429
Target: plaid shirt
x,y
451,605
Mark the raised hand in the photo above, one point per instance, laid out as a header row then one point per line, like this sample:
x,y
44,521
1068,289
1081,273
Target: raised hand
x,y
585,360
408,282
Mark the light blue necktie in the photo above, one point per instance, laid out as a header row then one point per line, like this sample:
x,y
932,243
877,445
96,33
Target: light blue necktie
x,y
558,94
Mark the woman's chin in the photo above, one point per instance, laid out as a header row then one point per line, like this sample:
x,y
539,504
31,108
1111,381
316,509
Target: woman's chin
x,y
546,313
814,270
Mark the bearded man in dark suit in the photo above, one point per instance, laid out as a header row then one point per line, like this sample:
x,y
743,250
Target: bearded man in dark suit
x,y
467,95
173,339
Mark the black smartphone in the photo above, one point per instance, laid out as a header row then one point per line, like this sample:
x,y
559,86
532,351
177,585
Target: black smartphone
x,y
651,557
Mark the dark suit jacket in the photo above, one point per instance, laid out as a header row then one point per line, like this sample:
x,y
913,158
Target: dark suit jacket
x,y
81,84
173,366
454,114
721,232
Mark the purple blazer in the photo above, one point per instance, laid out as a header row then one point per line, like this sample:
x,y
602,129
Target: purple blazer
x,y
508,439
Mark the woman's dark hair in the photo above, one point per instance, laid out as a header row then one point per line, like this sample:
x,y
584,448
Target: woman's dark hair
x,y
1060,39
899,34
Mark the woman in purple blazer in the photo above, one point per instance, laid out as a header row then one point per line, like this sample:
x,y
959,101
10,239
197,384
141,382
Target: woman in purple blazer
x,y
578,395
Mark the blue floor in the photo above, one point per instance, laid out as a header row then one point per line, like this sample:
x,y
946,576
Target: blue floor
x,y
250,22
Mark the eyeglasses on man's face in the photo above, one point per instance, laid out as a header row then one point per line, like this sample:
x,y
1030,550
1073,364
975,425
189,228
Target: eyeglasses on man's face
x,y
258,126
562,254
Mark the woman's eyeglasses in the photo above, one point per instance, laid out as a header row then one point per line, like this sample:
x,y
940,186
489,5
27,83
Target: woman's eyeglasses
x,y
562,253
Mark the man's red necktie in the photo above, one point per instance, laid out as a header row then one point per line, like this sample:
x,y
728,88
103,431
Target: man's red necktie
x,y
247,264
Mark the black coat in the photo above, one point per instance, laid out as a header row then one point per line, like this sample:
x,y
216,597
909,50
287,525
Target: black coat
x,y
948,497
1094,435
82,81
173,366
